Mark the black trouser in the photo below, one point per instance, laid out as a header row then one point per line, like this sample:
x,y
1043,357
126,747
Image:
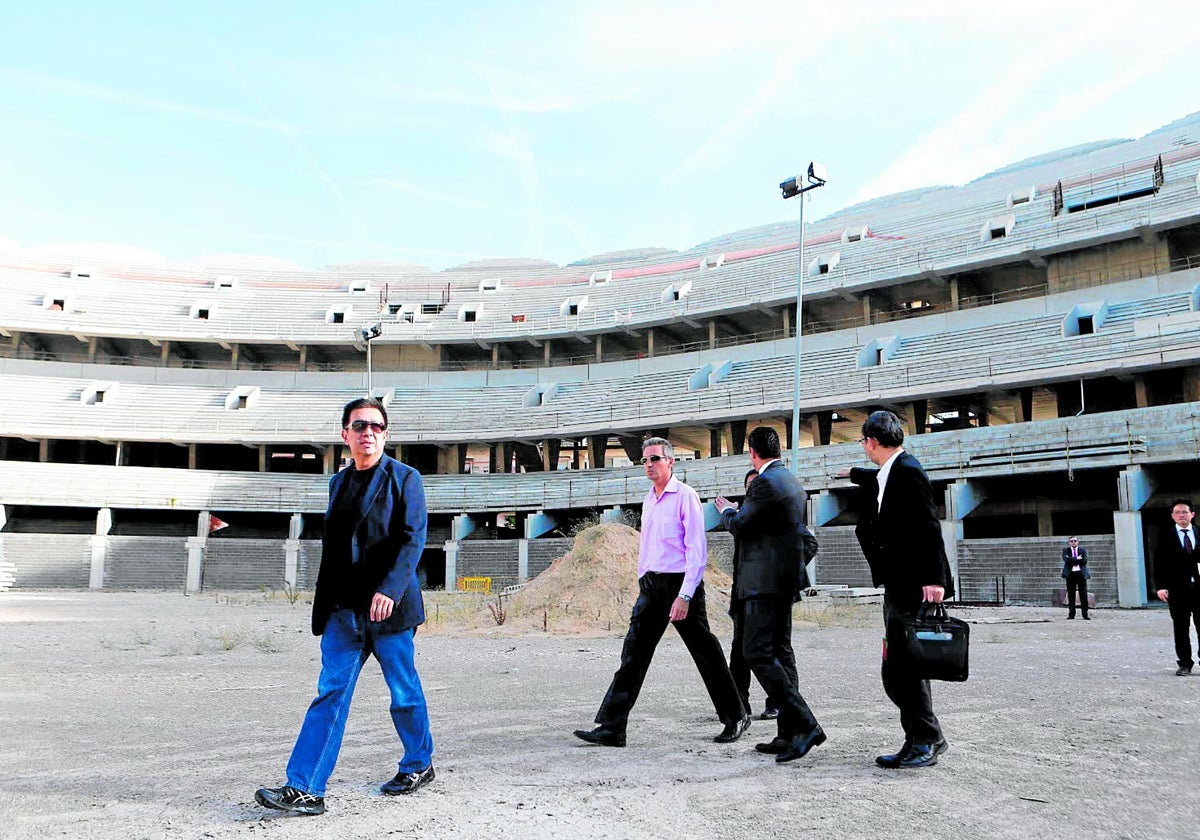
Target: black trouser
x,y
767,622
1184,605
1076,582
910,693
740,668
651,615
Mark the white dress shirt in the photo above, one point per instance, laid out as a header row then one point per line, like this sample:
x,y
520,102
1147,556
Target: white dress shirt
x,y
884,472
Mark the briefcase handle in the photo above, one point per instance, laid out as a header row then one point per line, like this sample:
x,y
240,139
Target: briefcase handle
x,y
932,612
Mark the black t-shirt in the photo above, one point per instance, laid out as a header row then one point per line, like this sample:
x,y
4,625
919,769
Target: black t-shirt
x,y
344,515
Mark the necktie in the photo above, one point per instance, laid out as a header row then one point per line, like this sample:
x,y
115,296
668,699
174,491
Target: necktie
x,y
1187,542
1074,554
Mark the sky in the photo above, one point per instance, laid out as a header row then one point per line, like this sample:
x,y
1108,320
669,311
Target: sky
x,y
312,134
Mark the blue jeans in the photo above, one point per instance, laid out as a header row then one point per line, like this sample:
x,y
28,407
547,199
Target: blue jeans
x,y
347,642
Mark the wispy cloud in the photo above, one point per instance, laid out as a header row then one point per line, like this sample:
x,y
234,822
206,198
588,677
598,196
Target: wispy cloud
x,y
100,93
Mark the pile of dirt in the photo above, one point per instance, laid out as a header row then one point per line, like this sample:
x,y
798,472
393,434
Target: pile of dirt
x,y
591,589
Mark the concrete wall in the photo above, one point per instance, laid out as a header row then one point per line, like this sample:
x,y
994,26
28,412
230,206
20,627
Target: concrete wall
x,y
496,559
839,560
543,552
1031,568
47,561
145,563
243,564
308,564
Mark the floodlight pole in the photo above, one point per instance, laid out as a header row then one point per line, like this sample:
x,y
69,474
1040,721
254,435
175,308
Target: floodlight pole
x,y
793,188
368,334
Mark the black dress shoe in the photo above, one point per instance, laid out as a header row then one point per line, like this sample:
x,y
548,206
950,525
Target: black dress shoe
x,y
768,714
891,762
773,747
601,736
799,746
733,731
1183,672
1087,618
923,755
408,782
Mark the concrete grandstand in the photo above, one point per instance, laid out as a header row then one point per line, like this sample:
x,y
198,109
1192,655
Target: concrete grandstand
x,y
1038,329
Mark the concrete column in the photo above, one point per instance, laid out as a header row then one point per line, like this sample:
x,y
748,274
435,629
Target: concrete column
x,y
962,497
452,566
295,526
550,449
737,437
494,457
1141,390
329,460
866,309
235,353
523,560
787,322
302,360
714,442
195,559
1131,558
3,516
291,559
1024,405
96,574
598,450
546,353
632,444
122,455
918,417
191,456
952,535
43,450
599,347
1045,519
822,427
954,294
164,355
712,334
495,356
91,351
1191,384
650,343
262,458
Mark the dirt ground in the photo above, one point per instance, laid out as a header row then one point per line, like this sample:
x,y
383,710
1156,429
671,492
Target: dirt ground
x,y
156,716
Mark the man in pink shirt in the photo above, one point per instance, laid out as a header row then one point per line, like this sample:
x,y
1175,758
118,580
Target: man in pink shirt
x,y
671,565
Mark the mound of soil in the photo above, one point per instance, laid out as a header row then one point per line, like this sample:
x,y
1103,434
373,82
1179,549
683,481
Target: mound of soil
x,y
591,588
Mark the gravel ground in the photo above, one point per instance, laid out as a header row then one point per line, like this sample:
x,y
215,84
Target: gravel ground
x,y
150,715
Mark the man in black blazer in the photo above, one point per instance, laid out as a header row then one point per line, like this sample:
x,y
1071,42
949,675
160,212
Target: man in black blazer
x,y
769,575
901,537
1075,573
1178,579
368,601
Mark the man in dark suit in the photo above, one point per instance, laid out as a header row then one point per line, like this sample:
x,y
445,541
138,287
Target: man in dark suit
x,y
901,538
1178,579
368,601
1075,573
768,577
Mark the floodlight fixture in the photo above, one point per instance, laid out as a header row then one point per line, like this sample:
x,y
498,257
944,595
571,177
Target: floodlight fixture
x,y
815,176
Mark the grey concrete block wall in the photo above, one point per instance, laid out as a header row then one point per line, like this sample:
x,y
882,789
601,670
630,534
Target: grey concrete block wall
x,y
720,550
243,564
145,563
308,564
840,562
545,551
1031,567
48,561
496,559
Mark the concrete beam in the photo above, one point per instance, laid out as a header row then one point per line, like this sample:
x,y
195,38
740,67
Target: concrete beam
x,y
539,523
523,559
195,558
1135,486
826,507
461,526
962,497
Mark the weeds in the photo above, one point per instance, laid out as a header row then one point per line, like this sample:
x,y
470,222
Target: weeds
x,y
498,612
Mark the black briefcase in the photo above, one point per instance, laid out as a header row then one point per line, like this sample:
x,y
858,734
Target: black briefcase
x,y
936,646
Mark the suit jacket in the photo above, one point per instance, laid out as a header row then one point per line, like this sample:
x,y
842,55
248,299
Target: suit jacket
x,y
1081,562
1174,571
768,531
388,540
902,541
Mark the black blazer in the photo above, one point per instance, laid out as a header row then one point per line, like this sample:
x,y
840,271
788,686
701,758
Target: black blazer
x,y
768,531
388,540
1174,570
1081,562
902,541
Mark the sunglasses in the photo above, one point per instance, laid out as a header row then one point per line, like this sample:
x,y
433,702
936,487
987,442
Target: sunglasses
x,y
653,459
360,426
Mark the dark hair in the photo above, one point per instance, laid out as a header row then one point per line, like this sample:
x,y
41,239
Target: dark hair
x,y
884,427
362,402
1187,502
749,475
764,441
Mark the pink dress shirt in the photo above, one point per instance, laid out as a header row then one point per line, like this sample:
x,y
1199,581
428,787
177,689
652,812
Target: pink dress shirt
x,y
673,535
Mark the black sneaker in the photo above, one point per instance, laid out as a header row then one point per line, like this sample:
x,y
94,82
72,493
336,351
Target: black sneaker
x,y
288,798
408,782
